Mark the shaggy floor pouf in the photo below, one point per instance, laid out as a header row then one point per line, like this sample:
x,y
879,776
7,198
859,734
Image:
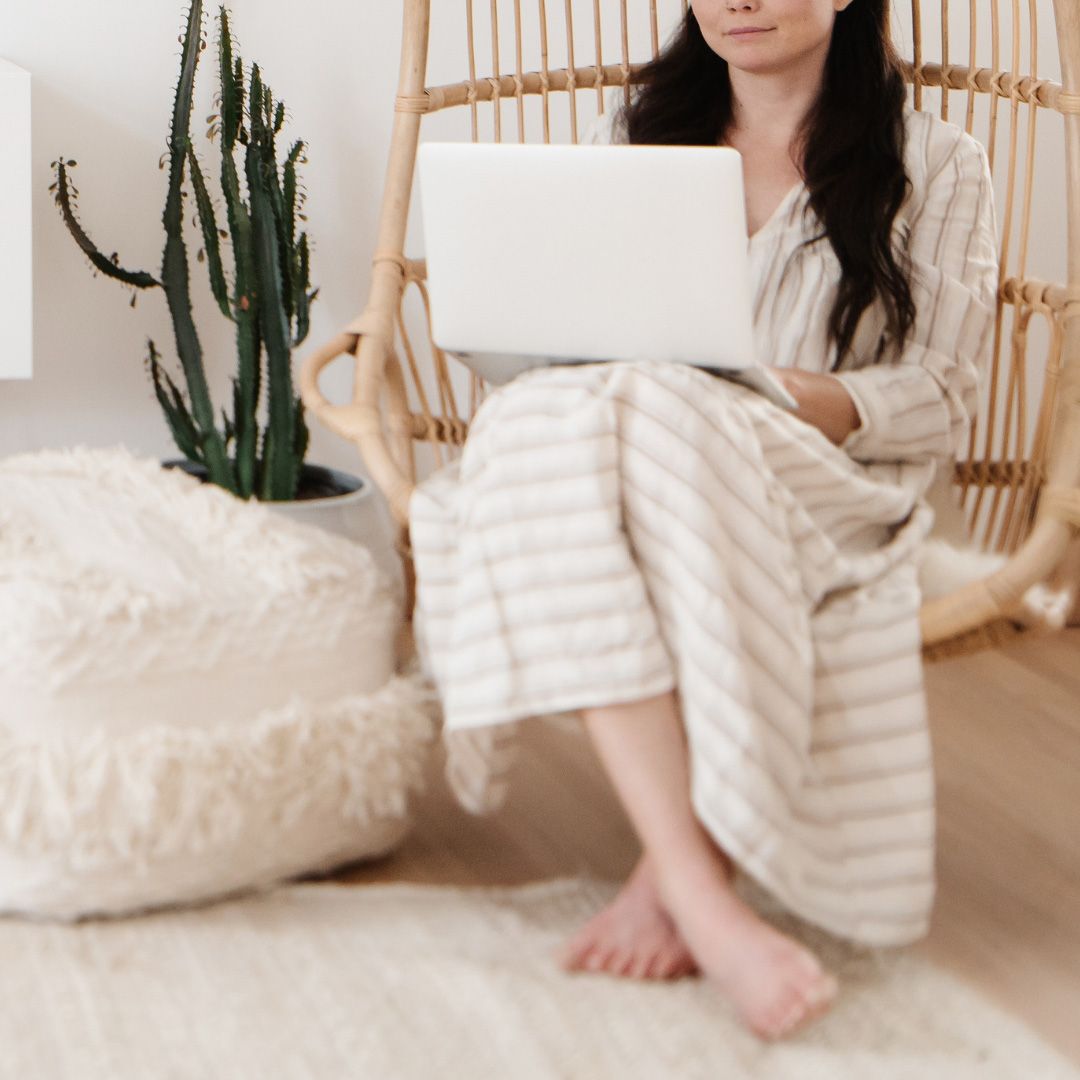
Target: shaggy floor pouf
x,y
196,694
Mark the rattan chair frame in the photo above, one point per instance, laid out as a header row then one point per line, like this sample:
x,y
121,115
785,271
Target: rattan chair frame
x,y
1041,490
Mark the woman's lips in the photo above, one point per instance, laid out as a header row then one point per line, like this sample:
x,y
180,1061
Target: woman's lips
x,y
749,31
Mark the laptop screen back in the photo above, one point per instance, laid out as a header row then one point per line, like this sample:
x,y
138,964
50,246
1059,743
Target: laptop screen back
x,y
587,252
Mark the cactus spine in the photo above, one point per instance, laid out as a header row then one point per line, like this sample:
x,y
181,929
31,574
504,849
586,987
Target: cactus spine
x,y
268,301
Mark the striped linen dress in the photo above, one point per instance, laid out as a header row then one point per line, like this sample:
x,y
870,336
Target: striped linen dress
x,y
612,531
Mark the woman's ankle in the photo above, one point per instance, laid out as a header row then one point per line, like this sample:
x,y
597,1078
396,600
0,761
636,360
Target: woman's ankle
x,y
676,878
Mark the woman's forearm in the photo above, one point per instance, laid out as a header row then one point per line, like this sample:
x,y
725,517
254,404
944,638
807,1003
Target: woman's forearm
x,y
823,401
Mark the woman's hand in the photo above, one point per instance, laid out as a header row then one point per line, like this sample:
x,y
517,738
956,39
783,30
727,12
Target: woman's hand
x,y
823,401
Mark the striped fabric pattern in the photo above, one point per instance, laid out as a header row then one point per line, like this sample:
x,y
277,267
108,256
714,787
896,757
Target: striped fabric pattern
x,y
615,530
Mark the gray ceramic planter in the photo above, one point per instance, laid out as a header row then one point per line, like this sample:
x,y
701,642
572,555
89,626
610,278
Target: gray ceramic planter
x,y
338,502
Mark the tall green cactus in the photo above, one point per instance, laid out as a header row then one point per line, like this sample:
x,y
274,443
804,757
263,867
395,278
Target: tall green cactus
x,y
268,300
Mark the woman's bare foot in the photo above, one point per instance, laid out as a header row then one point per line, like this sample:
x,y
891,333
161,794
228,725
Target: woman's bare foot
x,y
633,936
775,984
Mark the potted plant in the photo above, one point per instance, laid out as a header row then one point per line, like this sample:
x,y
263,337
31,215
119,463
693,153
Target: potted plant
x,y
267,296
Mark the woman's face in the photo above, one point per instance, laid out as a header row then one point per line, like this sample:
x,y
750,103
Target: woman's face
x,y
765,36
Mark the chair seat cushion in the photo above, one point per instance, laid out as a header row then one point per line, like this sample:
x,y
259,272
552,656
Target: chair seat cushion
x,y
197,695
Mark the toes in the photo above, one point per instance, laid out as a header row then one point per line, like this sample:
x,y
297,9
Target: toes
x,y
642,965
564,956
810,964
820,999
791,1022
650,954
670,964
597,959
780,1013
797,1014
666,964
664,968
622,963
570,955
687,965
581,960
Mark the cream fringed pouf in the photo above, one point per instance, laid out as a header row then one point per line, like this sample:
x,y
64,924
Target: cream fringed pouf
x,y
196,694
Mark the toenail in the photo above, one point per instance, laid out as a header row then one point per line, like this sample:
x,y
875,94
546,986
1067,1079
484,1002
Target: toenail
x,y
792,1018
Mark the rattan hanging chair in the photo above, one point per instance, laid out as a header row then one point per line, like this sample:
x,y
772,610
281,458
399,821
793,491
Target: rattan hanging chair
x,y
1020,479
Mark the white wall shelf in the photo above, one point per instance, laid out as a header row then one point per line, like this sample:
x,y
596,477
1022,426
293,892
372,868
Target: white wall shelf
x,y
16,307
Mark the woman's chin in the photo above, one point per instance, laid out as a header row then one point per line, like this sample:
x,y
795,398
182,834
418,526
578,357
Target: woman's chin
x,y
757,58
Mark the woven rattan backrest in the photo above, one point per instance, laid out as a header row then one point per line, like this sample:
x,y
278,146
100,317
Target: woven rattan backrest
x,y
993,67
536,70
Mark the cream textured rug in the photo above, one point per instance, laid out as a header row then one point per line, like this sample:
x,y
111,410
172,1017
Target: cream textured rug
x,y
394,982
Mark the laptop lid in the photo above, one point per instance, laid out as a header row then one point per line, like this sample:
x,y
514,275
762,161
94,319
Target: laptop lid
x,y
587,252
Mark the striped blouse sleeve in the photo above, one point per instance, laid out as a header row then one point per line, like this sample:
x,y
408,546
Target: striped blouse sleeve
x,y
921,405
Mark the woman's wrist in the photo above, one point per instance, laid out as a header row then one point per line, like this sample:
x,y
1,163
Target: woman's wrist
x,y
823,400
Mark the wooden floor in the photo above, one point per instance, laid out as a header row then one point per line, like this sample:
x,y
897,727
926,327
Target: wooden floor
x,y
1007,743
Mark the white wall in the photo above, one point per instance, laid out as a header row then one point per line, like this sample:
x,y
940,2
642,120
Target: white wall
x,y
103,82
103,79
16,351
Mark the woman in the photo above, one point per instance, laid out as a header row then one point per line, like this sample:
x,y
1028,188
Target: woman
x,y
726,590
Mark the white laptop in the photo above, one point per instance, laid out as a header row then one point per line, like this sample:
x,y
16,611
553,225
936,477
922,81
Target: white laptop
x,y
540,255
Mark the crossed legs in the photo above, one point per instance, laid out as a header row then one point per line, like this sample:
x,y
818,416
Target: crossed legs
x,y
678,912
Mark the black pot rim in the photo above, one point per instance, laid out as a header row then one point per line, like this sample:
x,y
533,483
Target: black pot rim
x,y
345,483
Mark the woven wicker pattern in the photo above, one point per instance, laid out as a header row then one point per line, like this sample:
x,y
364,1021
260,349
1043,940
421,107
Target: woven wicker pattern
x,y
535,70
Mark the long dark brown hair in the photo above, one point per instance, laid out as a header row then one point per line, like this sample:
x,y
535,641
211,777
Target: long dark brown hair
x,y
852,147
